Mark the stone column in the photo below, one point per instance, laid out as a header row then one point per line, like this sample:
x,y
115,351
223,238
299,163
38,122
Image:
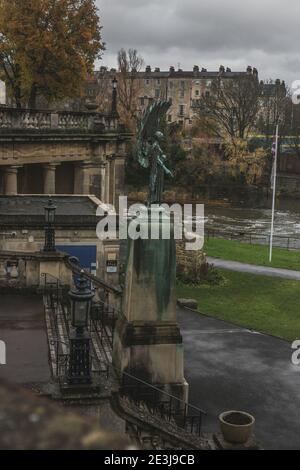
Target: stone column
x,y
107,181
88,178
103,181
11,180
112,180
81,183
119,182
147,339
49,178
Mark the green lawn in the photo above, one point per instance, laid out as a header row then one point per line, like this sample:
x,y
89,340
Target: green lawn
x,y
269,305
252,254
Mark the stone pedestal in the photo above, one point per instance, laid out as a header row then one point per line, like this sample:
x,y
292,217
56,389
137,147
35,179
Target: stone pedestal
x,y
147,340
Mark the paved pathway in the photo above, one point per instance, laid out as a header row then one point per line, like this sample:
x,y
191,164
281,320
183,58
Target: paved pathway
x,y
253,269
229,367
22,327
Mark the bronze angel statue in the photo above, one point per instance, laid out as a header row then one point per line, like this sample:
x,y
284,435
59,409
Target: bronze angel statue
x,y
149,152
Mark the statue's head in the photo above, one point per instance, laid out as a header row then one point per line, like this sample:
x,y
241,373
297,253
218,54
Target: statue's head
x,y
159,135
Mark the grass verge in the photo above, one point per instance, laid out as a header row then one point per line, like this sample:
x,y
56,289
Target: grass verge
x,y
251,254
269,305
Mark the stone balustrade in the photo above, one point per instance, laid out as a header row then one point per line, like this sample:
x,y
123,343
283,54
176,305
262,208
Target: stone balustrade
x,y
13,119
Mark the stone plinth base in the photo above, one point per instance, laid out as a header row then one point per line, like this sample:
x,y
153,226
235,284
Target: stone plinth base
x,y
152,352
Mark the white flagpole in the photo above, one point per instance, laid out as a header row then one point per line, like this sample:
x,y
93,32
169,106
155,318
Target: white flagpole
x,y
274,193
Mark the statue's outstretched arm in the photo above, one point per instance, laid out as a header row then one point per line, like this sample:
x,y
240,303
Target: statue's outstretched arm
x,y
161,163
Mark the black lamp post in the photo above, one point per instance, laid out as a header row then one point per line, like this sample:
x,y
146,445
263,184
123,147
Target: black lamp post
x,y
114,110
50,210
80,365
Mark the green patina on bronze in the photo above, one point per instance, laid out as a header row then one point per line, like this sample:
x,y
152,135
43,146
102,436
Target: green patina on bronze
x,y
149,152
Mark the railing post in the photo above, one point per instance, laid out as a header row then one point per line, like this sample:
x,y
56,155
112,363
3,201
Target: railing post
x,y
185,415
200,423
170,408
57,359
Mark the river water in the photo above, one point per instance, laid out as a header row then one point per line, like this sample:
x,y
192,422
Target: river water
x,y
253,224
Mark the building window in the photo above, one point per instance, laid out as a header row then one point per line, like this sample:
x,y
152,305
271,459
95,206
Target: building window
x,y
170,117
181,110
197,92
181,93
182,83
157,93
207,94
147,81
142,101
158,81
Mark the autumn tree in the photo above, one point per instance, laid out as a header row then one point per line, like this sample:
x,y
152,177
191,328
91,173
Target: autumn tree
x,y
129,64
231,106
47,47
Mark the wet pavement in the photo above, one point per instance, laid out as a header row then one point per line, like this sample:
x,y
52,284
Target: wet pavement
x,y
229,367
22,328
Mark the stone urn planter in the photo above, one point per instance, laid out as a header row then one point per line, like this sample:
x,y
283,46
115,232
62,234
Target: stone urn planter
x,y
91,105
236,426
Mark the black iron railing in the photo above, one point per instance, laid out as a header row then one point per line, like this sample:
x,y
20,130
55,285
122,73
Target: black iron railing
x,y
98,368
162,404
287,242
51,286
103,320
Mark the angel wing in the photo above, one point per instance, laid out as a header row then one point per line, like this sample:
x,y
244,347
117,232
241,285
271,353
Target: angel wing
x,y
147,127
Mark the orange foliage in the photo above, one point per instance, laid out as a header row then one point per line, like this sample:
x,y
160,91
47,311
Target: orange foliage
x,y
48,47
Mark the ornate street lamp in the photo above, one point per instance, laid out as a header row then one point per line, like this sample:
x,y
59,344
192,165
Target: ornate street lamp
x,y
50,210
80,364
114,110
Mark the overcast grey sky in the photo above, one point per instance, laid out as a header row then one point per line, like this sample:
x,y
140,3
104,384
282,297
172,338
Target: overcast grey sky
x,y
234,33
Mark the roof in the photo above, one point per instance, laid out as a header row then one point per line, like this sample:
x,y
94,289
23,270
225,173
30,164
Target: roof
x,y
175,74
28,212
67,205
271,89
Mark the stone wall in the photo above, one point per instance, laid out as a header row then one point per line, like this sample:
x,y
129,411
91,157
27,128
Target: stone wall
x,y
32,241
189,263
